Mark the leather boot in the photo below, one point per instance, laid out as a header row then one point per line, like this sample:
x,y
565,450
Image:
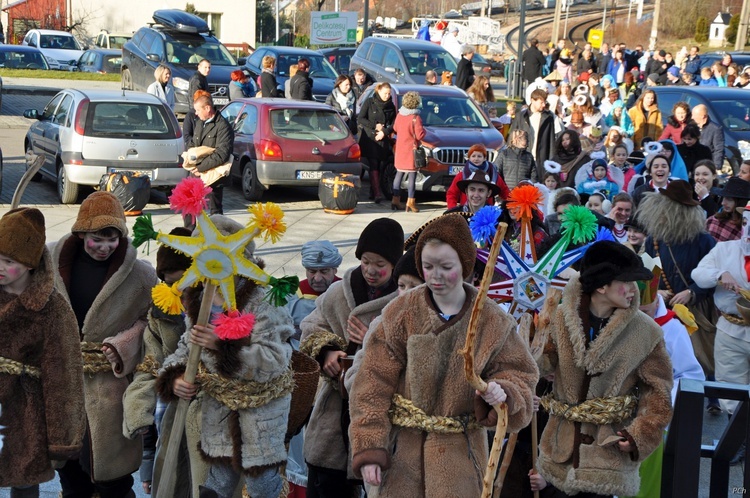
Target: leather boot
x,y
411,204
396,203
375,184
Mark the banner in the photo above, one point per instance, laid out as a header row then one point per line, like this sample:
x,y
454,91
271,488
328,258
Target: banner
x,y
333,28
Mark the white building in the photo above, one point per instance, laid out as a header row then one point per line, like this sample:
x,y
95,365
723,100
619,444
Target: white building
x,y
717,36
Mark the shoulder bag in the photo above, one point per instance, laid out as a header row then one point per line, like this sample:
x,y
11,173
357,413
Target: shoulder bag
x,y
420,156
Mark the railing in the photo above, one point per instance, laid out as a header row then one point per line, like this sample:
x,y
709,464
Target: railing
x,y
683,450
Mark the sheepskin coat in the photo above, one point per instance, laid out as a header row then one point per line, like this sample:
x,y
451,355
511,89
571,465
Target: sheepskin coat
x,y
43,418
415,353
254,437
325,330
116,318
628,356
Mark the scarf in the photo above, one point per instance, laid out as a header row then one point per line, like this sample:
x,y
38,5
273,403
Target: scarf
x,y
407,112
346,102
486,167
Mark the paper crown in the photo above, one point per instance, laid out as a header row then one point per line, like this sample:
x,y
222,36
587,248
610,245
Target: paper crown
x,y
649,288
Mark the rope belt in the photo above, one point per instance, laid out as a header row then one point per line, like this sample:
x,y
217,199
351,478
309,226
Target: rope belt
x,y
93,357
149,365
735,319
13,367
238,394
598,411
404,413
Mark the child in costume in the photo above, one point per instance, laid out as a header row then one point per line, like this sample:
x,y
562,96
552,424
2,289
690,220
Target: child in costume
x,y
598,203
477,161
598,177
411,358
109,289
549,187
335,330
42,391
241,442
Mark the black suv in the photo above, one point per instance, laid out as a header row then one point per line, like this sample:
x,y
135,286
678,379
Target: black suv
x,y
179,40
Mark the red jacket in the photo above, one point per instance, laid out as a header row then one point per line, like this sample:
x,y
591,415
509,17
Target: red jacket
x,y
673,133
407,138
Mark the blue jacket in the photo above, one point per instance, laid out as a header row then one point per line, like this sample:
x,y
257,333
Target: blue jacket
x,y
693,66
614,67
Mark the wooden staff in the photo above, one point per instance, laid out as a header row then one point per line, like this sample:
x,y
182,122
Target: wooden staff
x,y
169,470
32,170
534,449
468,354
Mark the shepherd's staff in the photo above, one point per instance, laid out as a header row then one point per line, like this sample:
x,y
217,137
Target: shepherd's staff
x,y
32,170
468,354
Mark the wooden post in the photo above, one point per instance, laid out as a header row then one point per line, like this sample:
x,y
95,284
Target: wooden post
x,y
654,25
739,43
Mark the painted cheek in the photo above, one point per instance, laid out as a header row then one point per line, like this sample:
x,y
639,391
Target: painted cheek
x,y
382,273
13,272
90,244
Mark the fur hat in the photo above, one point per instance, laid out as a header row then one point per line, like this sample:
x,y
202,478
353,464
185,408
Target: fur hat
x,y
477,148
169,260
384,237
681,191
606,261
453,230
22,236
320,254
98,211
407,265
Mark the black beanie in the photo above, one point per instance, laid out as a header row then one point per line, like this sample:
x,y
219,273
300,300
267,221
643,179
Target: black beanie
x,y
407,265
384,237
606,261
169,260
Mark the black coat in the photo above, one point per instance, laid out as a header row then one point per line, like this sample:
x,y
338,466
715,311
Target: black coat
x,y
544,144
268,85
188,126
712,135
464,74
216,133
584,65
692,155
197,82
300,86
375,111
533,62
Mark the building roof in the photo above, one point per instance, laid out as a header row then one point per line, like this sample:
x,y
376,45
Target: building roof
x,y
13,4
722,18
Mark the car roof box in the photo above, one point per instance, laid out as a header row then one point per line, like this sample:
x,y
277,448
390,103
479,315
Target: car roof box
x,y
180,20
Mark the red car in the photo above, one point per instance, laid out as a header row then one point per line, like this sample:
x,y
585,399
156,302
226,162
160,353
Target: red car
x,y
288,142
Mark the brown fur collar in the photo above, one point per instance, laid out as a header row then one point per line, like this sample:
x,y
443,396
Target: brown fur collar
x,y
37,294
70,247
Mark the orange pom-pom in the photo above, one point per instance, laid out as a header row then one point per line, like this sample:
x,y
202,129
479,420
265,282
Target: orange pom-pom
x,y
234,325
523,201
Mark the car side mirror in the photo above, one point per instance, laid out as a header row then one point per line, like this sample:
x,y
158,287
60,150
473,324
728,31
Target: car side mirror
x,y
153,57
390,69
31,114
242,61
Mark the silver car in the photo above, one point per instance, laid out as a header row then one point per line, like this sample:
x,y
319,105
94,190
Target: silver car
x,y
86,134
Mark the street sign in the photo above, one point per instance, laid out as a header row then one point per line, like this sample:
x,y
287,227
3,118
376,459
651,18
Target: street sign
x,y
333,28
596,36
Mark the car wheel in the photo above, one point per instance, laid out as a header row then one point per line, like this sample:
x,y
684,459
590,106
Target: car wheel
x,y
29,155
66,190
251,188
127,80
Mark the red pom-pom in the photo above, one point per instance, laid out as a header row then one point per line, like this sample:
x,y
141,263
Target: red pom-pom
x,y
234,325
189,196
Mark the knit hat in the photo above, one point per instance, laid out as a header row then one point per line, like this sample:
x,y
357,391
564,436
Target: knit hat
x,y
674,71
320,254
169,260
606,261
98,211
477,148
407,265
384,237
453,230
654,77
22,236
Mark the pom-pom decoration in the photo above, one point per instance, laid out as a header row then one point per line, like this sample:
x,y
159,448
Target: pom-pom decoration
x,y
281,288
604,233
189,197
581,89
167,298
268,219
233,325
523,201
580,100
552,166
143,230
653,148
484,224
579,224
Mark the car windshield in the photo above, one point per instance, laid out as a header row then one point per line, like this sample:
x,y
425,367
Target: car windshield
x,y
734,114
450,112
59,41
22,60
190,51
116,42
319,67
111,63
418,62
308,124
127,120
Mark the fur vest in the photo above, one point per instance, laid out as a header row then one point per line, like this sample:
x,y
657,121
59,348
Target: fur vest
x,y
415,353
325,329
628,356
116,318
44,418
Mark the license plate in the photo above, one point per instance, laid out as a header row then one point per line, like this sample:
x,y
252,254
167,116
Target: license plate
x,y
456,170
221,101
148,173
309,175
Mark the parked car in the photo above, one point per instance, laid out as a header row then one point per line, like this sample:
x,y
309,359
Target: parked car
x,y
401,61
100,60
288,142
113,41
85,134
21,57
728,107
482,67
60,48
339,57
321,72
179,40
742,59
453,123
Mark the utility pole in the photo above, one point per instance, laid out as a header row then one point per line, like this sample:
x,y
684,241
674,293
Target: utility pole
x,y
739,44
518,77
604,17
556,22
655,25
366,27
277,22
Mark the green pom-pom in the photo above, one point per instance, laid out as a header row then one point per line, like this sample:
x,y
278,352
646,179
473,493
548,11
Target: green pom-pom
x,y
281,288
143,230
579,224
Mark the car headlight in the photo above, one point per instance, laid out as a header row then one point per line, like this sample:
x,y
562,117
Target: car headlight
x,y
181,84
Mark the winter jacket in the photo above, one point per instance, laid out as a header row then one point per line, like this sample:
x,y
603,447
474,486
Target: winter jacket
x,y
627,357
117,318
604,186
252,437
374,111
692,155
533,62
347,113
541,145
650,126
614,68
269,88
514,164
413,352
464,74
672,132
409,133
301,86
188,126
693,65
584,65
712,135
197,82
44,417
322,331
217,133
625,123
165,93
